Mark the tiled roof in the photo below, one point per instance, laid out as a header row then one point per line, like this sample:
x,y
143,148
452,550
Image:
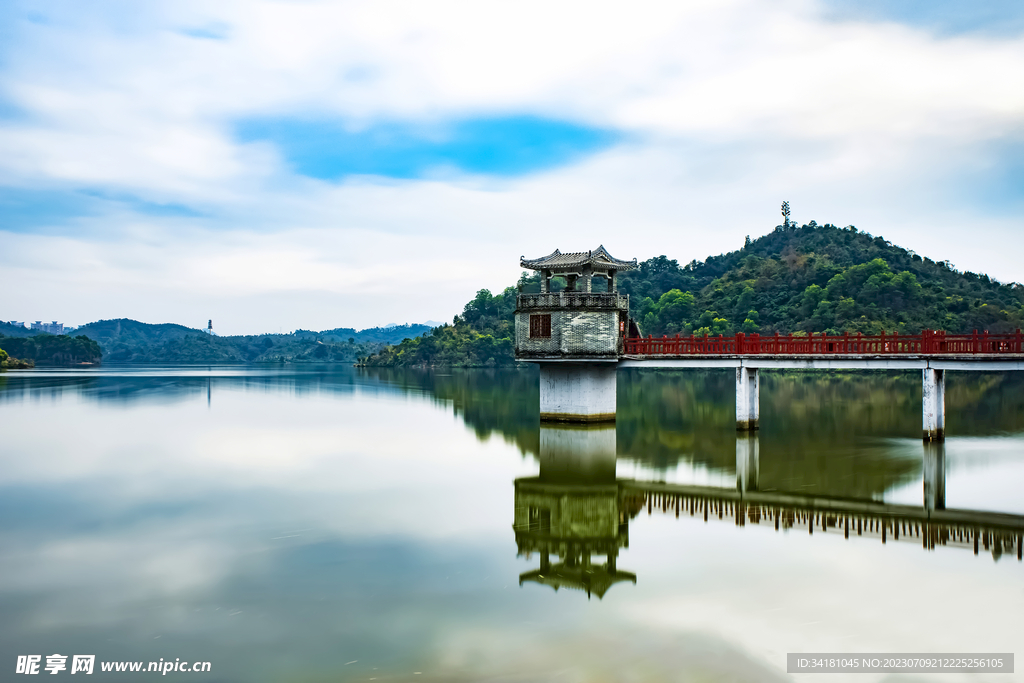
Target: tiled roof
x,y
599,258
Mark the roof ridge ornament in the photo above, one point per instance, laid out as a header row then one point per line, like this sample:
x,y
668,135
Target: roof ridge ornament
x,y
598,258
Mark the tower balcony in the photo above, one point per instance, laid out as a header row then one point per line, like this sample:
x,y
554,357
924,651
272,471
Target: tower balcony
x,y
602,301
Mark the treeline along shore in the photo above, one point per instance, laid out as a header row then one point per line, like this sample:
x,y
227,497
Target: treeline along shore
x,y
131,341
797,279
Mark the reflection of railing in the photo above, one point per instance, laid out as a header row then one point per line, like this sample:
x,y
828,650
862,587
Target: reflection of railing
x,y
574,300
995,532
926,343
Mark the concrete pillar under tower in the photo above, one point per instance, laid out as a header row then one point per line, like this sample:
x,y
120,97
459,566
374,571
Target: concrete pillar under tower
x,y
748,389
933,408
577,392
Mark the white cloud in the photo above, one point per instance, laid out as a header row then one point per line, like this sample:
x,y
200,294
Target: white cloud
x,y
730,107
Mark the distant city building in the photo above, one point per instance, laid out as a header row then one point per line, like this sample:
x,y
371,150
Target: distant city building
x,y
50,328
16,323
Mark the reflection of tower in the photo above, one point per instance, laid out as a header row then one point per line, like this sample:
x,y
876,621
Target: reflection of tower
x,y
934,467
747,462
573,511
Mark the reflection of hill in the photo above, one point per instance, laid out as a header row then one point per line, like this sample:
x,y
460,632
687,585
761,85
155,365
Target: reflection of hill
x,y
489,401
169,385
820,432
824,433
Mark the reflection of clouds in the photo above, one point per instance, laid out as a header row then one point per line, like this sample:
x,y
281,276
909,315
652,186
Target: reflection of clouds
x,y
105,579
771,593
981,473
154,385
278,440
597,651
683,472
174,560
172,501
295,527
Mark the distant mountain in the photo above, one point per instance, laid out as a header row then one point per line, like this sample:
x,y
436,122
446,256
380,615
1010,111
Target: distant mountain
x,y
48,349
130,341
9,330
391,334
133,333
796,279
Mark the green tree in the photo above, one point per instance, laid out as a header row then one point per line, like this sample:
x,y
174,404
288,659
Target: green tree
x,y
667,315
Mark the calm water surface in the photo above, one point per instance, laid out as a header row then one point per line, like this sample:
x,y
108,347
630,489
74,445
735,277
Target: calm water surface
x,y
332,524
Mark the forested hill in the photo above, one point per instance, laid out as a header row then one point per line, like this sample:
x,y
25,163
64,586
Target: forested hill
x,y
799,279
130,341
482,336
48,349
818,279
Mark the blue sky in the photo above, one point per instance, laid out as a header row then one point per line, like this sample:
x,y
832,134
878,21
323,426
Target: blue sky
x,y
322,164
500,146
949,17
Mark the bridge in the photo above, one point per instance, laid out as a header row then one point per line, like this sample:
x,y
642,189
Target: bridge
x,y
580,336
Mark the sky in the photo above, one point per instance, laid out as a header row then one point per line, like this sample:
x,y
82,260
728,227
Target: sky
x,y
283,165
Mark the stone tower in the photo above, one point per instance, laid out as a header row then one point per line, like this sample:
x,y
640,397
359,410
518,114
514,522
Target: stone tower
x,y
576,334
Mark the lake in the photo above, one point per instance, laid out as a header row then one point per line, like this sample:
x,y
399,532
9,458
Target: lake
x,y
328,523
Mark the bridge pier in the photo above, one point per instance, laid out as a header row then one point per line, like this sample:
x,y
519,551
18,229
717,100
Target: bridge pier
x,y
577,392
934,467
748,390
933,400
747,462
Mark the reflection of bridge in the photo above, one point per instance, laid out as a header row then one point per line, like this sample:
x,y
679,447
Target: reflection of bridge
x,y
576,508
995,532
579,336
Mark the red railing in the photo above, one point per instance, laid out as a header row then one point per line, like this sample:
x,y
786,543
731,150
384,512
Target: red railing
x,y
928,342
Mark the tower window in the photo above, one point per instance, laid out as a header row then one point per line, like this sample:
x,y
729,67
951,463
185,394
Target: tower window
x,y
540,519
540,325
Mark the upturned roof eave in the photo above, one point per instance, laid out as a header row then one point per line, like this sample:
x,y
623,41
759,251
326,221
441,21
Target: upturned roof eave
x,y
599,259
